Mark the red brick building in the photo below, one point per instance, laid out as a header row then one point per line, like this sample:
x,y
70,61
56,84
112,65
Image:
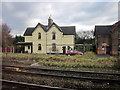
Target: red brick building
x,y
107,39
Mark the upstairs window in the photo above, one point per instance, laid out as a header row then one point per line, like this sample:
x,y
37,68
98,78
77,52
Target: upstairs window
x,y
39,35
53,35
39,47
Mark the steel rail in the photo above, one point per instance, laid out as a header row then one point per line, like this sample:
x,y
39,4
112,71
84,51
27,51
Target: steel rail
x,y
31,86
63,76
72,71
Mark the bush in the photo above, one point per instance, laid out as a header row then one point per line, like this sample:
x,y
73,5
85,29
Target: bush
x,y
89,55
117,63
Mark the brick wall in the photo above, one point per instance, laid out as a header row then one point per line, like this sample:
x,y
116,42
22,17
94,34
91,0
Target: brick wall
x,y
100,39
115,41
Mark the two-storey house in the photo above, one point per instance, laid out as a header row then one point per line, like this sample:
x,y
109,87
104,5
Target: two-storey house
x,y
49,38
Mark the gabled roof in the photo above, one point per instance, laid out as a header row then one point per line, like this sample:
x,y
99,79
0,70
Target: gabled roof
x,y
67,30
43,27
115,26
28,31
106,29
56,26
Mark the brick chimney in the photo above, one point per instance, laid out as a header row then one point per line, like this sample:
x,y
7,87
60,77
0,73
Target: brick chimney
x,y
50,21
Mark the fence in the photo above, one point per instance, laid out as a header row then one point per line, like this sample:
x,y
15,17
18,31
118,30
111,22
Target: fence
x,y
84,47
8,49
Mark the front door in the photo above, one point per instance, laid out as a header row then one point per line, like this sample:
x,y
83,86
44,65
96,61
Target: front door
x,y
107,50
64,50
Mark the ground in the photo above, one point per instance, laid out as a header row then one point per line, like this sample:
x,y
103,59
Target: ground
x,y
89,61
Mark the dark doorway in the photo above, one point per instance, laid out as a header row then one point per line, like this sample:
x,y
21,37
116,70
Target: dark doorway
x,y
64,50
107,50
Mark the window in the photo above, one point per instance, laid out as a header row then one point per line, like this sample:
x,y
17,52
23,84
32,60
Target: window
x,y
53,47
28,47
53,35
39,47
39,35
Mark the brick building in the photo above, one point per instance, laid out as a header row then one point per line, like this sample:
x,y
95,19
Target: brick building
x,y
107,39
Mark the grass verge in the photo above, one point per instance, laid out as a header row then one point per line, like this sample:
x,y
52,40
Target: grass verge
x,y
89,60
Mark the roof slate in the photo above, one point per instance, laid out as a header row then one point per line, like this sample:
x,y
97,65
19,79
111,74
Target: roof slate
x,y
56,26
103,29
67,30
106,29
28,31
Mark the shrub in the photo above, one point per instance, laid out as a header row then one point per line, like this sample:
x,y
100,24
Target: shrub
x,y
90,55
117,63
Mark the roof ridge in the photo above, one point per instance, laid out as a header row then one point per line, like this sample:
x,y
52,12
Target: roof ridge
x,y
67,30
103,25
67,26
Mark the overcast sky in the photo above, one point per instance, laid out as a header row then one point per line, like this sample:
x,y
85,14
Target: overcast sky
x,y
83,15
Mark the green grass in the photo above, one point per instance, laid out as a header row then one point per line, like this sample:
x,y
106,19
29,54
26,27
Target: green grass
x,y
89,60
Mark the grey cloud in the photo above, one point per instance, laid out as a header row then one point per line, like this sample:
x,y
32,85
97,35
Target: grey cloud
x,y
19,15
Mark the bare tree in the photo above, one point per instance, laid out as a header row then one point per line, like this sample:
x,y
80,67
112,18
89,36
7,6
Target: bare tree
x,y
0,35
6,36
85,34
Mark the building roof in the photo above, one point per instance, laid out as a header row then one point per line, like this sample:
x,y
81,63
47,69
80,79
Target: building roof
x,y
116,26
67,30
106,29
28,31
56,26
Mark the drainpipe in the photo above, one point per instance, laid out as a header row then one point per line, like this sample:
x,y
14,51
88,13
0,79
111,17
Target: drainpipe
x,y
46,43
118,42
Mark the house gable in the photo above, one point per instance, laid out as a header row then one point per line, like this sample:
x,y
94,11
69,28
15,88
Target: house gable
x,y
55,25
40,26
30,30
58,34
38,29
39,41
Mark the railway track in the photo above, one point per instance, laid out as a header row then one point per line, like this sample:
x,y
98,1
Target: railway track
x,y
67,72
88,72
63,76
27,86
